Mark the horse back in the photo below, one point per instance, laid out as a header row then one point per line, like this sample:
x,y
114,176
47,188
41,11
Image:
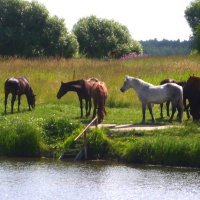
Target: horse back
x,y
24,85
168,81
17,85
192,89
12,86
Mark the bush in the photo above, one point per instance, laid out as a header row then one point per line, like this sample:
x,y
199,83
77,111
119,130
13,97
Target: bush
x,y
57,129
22,139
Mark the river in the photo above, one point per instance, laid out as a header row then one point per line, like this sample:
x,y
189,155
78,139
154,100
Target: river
x,y
46,179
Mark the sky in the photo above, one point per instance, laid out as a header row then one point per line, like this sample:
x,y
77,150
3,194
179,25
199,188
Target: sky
x,y
145,19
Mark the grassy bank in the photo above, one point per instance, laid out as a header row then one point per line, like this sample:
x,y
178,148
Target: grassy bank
x,y
49,129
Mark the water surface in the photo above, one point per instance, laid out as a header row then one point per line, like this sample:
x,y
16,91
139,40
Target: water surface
x,y
29,179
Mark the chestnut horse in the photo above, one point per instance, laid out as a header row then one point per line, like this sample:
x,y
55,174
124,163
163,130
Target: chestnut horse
x,y
18,87
82,88
186,107
99,95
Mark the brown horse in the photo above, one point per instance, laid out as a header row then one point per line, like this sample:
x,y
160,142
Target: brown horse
x,y
186,107
82,88
18,87
191,91
99,94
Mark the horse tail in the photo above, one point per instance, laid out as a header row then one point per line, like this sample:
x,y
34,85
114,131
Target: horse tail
x,y
102,95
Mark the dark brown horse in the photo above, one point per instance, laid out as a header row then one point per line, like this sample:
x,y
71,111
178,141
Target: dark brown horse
x,y
18,87
186,107
99,94
191,91
82,88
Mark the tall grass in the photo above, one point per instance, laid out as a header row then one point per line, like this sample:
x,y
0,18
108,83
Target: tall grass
x,y
45,75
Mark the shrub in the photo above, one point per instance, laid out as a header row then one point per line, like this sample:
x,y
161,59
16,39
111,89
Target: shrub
x,y
57,129
22,139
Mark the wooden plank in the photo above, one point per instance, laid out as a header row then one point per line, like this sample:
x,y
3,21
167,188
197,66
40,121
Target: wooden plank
x,y
86,128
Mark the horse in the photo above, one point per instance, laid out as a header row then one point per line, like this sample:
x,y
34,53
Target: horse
x,y
82,88
186,107
191,91
99,95
18,87
151,94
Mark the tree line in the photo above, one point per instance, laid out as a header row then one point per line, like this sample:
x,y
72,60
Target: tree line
x,y
28,30
166,47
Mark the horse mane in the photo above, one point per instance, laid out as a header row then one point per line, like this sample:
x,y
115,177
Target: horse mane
x,y
140,82
77,82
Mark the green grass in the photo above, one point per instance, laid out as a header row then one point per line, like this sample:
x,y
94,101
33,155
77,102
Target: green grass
x,y
51,126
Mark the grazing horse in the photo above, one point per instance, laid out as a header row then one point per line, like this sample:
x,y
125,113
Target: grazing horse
x,y
82,88
186,107
151,94
191,91
99,95
19,86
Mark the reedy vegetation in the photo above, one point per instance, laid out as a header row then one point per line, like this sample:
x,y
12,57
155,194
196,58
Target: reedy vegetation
x,y
42,130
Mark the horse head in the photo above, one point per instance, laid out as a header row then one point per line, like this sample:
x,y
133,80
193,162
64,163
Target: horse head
x,y
126,84
31,98
61,91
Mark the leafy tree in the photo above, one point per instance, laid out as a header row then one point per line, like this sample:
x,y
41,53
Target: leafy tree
x,y
100,38
192,14
196,38
26,29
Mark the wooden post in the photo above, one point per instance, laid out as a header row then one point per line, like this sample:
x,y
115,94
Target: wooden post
x,y
84,132
85,145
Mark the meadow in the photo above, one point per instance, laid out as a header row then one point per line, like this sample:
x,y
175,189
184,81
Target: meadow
x,y
53,120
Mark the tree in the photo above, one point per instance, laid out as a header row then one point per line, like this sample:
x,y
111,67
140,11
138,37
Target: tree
x,y
196,38
192,14
100,38
26,29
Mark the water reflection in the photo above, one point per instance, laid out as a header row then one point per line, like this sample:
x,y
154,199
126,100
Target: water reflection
x,y
51,179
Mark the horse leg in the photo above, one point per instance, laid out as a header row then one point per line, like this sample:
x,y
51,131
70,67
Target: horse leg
x,y
150,110
19,101
89,106
167,105
173,111
180,113
12,102
187,111
95,110
161,110
143,112
81,106
5,101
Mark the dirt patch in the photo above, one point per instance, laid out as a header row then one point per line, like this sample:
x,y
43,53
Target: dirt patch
x,y
129,127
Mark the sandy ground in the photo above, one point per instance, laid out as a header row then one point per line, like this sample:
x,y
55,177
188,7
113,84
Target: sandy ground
x,y
128,127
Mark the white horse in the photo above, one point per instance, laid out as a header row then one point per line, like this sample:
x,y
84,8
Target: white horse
x,y
151,94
